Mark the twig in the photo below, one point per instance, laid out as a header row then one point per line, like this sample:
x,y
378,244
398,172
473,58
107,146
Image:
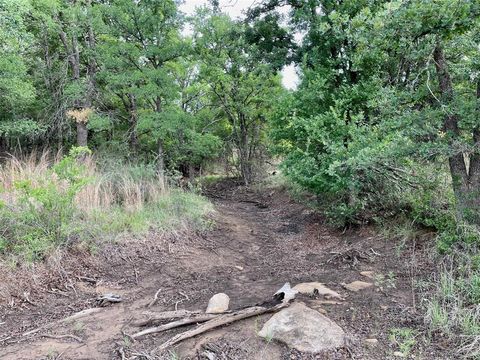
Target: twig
x,y
155,298
67,336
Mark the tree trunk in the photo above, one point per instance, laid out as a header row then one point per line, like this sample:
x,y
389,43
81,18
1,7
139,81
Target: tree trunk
x,y
161,154
73,55
160,159
82,134
133,119
243,148
465,179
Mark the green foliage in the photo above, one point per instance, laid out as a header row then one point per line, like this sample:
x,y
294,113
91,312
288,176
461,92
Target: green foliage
x,y
404,338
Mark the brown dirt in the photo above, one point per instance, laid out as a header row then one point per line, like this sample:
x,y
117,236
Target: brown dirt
x,y
260,240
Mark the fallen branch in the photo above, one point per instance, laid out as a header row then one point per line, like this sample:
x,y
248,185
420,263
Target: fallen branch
x,y
67,319
220,320
172,325
155,299
67,336
154,318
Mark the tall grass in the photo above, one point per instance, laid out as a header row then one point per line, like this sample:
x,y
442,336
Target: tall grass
x,y
453,311
49,201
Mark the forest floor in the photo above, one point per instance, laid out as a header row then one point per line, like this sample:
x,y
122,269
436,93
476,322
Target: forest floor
x,y
259,241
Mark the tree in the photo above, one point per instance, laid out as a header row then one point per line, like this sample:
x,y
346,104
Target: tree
x,y
142,40
240,83
16,88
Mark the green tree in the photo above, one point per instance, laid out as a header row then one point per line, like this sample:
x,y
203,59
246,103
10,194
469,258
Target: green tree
x,y
241,84
16,88
140,42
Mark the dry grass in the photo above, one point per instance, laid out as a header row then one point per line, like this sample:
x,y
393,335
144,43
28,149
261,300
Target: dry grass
x,y
103,190
48,202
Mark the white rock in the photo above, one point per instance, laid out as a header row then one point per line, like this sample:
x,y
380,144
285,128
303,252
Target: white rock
x,y
369,274
303,329
311,287
371,342
218,304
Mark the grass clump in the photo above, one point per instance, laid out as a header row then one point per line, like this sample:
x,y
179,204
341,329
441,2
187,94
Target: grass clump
x,y
453,311
47,202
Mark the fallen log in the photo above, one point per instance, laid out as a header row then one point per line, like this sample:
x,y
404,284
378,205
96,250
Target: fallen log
x,y
154,317
219,320
193,319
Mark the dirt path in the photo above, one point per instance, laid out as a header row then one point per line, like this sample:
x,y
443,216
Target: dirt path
x,y
259,242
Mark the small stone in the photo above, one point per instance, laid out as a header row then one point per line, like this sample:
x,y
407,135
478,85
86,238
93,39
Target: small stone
x,y
398,354
303,329
357,286
218,304
368,274
371,342
239,267
312,288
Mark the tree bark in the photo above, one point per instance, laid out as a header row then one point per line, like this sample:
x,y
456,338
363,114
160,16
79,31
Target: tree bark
x,y
133,119
465,179
160,159
161,154
82,134
243,149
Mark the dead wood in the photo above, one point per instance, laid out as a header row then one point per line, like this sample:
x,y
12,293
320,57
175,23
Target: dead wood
x,y
155,299
193,319
67,336
67,319
154,318
220,320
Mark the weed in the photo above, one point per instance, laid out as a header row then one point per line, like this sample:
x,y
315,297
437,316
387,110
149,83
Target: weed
x,y
386,282
404,338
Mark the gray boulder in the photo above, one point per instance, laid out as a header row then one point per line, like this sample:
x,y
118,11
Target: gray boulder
x,y
303,329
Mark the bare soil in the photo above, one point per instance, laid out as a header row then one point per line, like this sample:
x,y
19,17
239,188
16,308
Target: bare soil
x,y
259,241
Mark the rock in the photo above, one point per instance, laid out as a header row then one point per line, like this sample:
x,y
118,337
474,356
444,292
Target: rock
x,y
371,342
368,274
303,329
239,267
398,354
218,304
312,288
357,286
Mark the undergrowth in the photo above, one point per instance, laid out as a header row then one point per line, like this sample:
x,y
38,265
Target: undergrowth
x,y
48,202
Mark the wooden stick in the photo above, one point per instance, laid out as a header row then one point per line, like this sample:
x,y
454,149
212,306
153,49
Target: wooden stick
x,y
68,336
70,318
166,315
220,320
155,299
172,325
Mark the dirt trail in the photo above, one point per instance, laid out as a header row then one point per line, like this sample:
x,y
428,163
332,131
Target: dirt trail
x,y
259,242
